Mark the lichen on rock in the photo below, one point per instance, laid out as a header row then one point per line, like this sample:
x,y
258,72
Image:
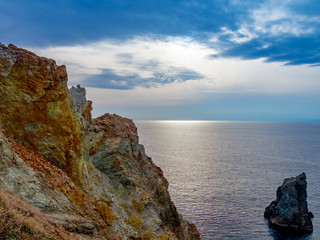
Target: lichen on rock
x,y
36,108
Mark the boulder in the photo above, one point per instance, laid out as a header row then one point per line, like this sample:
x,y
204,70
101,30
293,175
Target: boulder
x,y
290,209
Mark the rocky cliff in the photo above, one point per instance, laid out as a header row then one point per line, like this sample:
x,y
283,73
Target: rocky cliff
x,y
89,178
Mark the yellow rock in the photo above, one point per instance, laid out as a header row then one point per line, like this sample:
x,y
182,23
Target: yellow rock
x,y
36,111
105,212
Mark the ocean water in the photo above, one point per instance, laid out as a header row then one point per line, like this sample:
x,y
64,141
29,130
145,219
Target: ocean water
x,y
222,175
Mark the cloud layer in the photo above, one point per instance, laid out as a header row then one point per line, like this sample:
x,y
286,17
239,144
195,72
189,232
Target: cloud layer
x,y
172,70
285,30
141,61
179,56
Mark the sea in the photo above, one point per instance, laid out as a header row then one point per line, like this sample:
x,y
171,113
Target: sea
x,y
223,174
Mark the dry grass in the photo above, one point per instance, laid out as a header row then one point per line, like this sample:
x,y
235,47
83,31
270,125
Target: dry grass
x,y
18,220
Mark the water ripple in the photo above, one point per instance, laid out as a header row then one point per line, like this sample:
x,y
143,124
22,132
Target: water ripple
x,y
223,174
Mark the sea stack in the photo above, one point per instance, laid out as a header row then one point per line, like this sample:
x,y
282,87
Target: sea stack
x,y
289,211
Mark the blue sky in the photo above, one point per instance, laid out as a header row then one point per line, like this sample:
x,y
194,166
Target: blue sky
x,y
191,59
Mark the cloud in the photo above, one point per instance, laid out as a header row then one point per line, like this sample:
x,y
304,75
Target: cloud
x,y
140,61
165,63
285,31
67,22
108,79
227,25
242,35
143,77
233,78
280,18
276,19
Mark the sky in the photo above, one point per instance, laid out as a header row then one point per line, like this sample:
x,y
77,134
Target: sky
x,y
237,60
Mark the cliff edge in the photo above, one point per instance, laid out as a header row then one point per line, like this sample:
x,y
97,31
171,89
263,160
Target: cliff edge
x,y
85,178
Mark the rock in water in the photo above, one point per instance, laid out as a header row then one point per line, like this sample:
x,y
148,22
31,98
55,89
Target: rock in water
x,y
290,210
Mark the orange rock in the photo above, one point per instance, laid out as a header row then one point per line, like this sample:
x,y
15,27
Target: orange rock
x,y
35,108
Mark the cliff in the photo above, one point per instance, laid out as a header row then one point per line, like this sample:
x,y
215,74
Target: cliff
x,y
88,178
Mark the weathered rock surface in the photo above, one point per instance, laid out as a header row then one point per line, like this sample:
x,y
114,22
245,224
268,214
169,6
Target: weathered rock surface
x,y
36,108
79,98
290,209
140,184
88,176
16,176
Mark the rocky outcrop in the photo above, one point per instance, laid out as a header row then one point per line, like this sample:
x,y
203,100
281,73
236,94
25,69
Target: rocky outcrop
x,y
90,177
33,180
115,151
79,98
290,209
36,109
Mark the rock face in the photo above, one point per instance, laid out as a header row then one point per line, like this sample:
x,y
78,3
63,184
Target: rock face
x,y
48,190
90,177
290,210
79,98
36,109
115,151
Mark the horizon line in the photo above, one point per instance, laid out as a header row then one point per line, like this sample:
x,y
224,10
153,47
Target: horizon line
x,y
181,120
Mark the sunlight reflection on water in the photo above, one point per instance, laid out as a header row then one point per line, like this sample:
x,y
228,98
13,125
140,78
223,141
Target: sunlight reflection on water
x,y
222,175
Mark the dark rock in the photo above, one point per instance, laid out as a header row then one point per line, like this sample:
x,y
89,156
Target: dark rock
x,y
290,209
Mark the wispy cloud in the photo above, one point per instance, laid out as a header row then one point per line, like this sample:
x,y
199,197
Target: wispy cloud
x,y
279,18
172,71
273,19
108,79
277,31
241,35
140,61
